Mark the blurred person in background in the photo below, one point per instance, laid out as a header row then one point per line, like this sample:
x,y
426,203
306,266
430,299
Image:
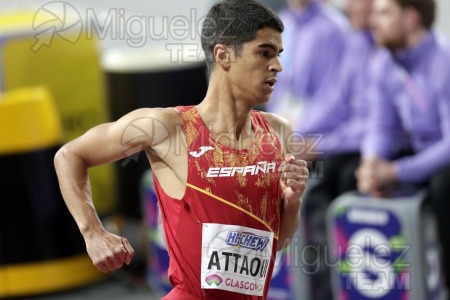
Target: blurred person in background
x,y
336,119
413,84
334,126
314,42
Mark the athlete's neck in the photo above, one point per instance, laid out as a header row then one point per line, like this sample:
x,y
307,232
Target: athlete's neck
x,y
224,114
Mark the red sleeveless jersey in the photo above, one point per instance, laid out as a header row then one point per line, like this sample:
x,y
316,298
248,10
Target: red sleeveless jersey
x,y
218,232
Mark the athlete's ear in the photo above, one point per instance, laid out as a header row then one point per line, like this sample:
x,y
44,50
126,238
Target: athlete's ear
x,y
222,56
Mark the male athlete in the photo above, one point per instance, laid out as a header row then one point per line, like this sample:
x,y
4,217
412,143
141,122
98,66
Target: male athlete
x,y
229,193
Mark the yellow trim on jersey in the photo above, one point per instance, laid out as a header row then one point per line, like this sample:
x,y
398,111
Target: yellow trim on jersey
x,y
233,205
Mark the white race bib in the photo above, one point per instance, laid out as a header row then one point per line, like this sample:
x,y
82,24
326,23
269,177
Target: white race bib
x,y
235,258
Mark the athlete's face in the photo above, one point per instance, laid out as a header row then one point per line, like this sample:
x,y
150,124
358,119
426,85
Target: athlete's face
x,y
253,73
388,23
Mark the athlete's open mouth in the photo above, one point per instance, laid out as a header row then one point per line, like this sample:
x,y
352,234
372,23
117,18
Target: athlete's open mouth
x,y
271,82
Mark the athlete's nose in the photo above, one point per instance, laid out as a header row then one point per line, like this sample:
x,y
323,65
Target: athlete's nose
x,y
276,65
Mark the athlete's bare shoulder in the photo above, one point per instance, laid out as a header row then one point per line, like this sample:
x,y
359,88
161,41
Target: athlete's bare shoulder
x,y
149,128
276,122
281,127
169,116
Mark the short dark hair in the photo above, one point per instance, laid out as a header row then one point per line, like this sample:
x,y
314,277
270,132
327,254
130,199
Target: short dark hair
x,y
425,8
233,23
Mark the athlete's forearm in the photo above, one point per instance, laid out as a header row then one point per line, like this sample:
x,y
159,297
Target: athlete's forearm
x,y
76,190
290,219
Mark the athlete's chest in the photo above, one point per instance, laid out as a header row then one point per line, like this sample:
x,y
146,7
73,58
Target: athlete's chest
x,y
213,159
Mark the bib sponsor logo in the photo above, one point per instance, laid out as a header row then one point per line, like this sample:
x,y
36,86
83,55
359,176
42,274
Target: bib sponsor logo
x,y
261,167
247,240
213,279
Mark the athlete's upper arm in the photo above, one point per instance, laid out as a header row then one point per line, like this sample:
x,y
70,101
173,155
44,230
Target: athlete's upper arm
x,y
136,131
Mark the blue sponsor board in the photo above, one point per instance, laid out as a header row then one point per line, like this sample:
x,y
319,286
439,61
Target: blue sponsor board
x,y
371,254
281,286
157,256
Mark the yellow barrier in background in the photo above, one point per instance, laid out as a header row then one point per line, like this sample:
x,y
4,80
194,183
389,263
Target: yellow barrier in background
x,y
47,276
41,249
70,67
29,121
